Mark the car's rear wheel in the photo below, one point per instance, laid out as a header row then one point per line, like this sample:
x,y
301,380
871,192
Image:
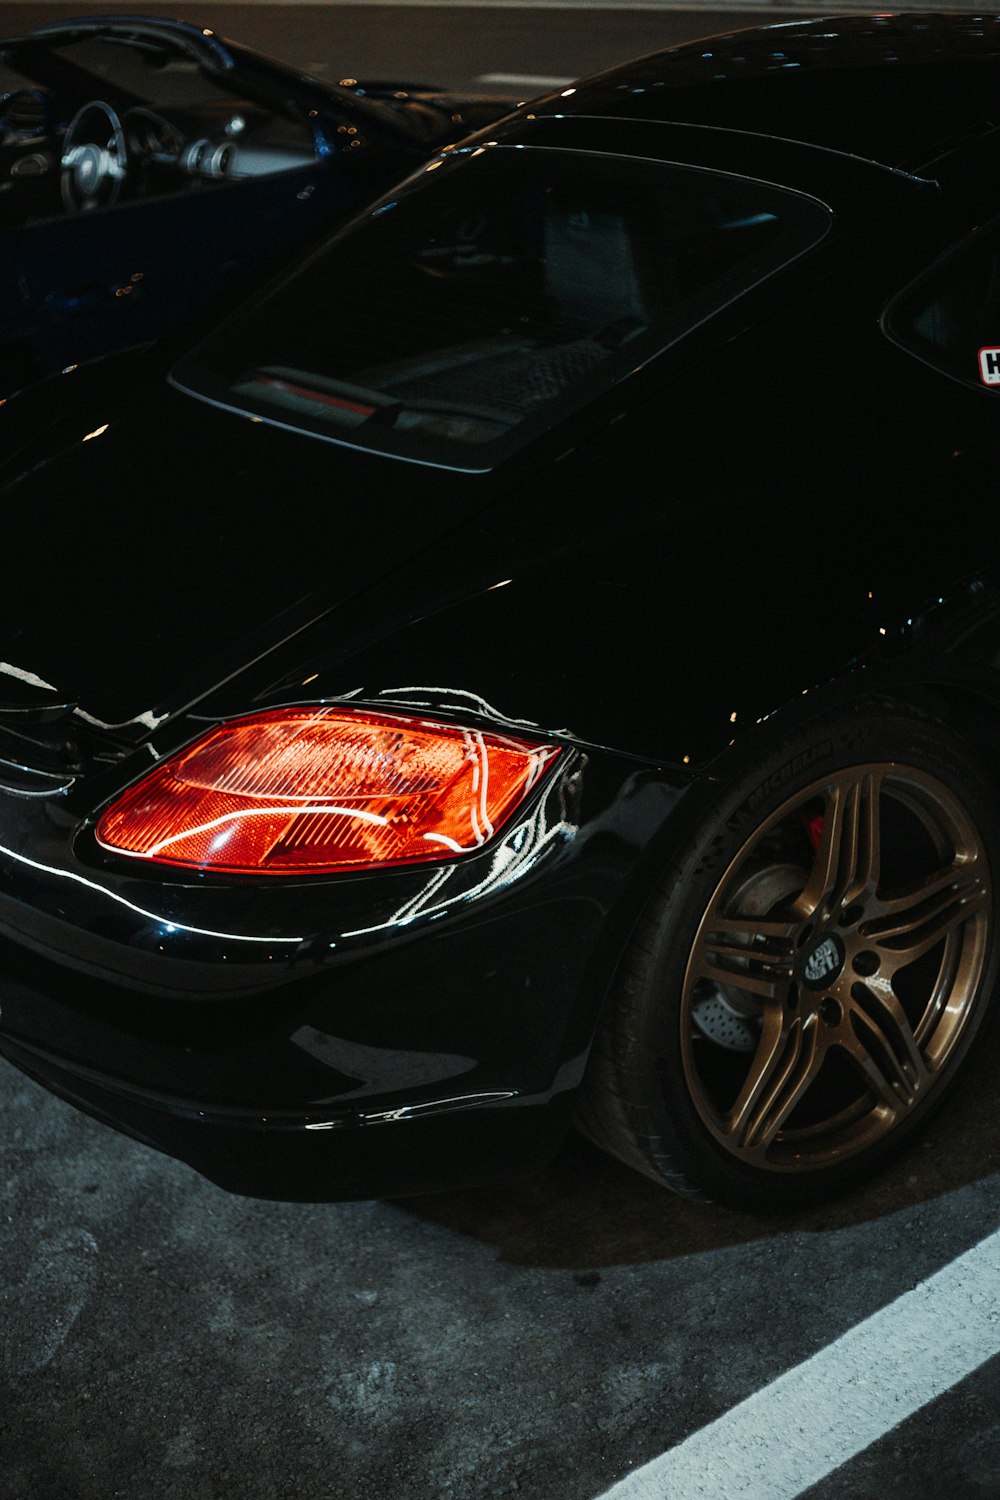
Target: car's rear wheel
x,y
812,970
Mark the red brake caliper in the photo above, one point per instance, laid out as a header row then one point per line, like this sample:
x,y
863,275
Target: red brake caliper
x,y
814,828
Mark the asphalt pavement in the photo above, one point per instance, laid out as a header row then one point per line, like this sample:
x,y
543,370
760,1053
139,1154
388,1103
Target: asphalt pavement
x,y
162,1340
455,46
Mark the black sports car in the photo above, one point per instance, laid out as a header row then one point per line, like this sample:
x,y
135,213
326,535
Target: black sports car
x,y
146,165
540,661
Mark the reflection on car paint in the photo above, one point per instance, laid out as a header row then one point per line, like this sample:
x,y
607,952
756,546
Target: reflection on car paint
x,y
513,858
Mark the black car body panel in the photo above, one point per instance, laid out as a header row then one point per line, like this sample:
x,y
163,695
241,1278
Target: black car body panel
x,y
777,511
858,84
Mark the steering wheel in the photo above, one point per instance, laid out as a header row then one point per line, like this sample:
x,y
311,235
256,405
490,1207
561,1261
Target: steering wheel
x,y
94,158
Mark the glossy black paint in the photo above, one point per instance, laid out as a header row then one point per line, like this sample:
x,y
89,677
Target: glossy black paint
x,y
77,285
317,1011
782,511
894,88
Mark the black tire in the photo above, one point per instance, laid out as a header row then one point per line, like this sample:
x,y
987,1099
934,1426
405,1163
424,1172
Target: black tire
x,y
853,866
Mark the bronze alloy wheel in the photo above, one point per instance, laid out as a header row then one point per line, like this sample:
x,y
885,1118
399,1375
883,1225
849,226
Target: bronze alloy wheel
x,y
836,968
814,965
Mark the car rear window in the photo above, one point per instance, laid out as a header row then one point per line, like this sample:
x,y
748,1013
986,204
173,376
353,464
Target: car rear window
x,y
499,292
950,316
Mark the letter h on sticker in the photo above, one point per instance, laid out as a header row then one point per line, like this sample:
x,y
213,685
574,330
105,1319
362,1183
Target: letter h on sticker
x,y
989,366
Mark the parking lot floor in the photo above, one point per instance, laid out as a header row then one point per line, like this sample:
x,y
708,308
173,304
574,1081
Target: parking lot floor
x,y
163,1340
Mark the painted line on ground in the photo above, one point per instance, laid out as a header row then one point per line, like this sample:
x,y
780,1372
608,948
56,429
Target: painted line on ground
x,y
823,1412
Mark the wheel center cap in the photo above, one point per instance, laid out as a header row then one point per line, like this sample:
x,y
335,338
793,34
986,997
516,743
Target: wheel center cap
x,y
824,962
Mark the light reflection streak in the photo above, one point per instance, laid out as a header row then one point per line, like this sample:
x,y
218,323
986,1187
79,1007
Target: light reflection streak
x,y
294,810
102,890
402,915
51,790
442,838
480,783
510,860
149,720
428,1106
483,804
29,677
428,700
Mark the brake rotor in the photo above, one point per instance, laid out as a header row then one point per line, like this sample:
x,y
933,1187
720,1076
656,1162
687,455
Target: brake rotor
x,y
725,1016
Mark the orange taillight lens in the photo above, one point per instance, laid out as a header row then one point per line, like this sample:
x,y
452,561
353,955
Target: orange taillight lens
x,y
314,790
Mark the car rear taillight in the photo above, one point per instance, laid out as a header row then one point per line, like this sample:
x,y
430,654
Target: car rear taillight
x,y
300,791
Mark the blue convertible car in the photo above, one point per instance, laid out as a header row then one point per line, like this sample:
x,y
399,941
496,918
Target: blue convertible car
x,y
146,164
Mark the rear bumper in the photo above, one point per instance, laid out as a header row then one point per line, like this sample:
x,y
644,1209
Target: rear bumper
x,y
431,1145
341,1038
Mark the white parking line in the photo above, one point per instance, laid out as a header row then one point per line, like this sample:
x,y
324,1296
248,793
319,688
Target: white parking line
x,y
815,1417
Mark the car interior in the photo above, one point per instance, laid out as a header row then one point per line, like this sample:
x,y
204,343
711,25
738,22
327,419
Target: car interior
x,y
519,292
95,121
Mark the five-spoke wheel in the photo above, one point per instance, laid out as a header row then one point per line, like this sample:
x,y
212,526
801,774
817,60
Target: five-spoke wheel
x,y
812,972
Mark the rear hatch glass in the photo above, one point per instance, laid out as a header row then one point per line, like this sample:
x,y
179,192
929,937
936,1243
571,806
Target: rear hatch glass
x,y
496,294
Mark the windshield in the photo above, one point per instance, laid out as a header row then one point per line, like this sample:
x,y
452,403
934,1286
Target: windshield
x,y
148,70
502,291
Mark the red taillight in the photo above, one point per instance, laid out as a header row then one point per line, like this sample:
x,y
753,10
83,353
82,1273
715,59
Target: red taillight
x,y
314,790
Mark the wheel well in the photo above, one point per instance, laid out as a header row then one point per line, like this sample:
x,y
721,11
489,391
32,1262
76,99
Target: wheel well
x,y
972,711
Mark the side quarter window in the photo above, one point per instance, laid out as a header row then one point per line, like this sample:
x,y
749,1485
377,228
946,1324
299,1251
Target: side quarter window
x,y
950,316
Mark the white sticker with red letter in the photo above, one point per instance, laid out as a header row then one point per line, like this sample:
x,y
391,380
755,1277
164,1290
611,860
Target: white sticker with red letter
x,y
989,366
